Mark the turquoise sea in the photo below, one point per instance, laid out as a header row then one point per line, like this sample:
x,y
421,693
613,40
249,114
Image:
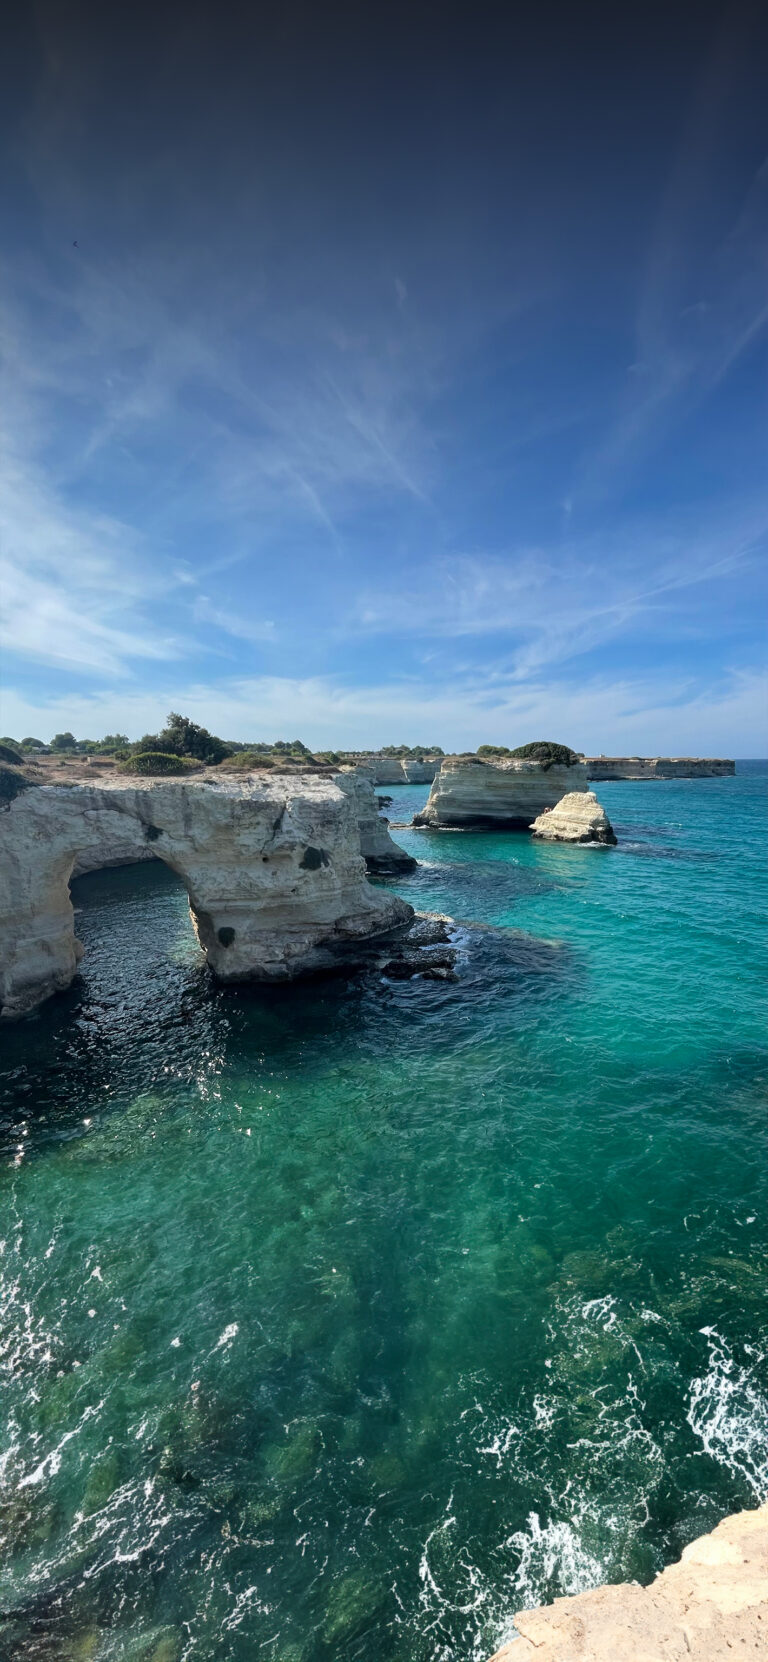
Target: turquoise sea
x,y
340,1321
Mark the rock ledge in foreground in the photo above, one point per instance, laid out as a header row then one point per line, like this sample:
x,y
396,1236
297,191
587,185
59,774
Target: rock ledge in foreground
x,y
713,1604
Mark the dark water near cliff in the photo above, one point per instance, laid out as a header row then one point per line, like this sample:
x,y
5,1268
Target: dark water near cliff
x,y
340,1321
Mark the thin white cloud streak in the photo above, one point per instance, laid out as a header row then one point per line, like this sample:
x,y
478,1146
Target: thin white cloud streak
x,y
651,716
72,585
702,302
558,605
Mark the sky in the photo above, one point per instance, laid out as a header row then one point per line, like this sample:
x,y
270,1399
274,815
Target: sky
x,y
386,373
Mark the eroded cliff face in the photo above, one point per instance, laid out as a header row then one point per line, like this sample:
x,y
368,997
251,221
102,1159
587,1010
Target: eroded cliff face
x,y
383,857
275,877
391,770
712,1605
507,794
576,818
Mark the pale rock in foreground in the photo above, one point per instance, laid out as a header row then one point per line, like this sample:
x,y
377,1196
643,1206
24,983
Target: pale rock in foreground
x,y
576,818
712,1605
507,794
276,881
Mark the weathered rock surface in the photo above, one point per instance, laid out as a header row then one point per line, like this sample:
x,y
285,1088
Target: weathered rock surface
x,y
382,856
391,770
576,818
506,794
273,868
659,767
713,1604
420,773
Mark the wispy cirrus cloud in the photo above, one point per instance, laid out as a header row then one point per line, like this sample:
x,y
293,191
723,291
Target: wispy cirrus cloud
x,y
557,603
702,301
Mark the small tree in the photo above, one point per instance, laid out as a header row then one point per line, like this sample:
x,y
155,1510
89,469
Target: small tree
x,y
64,741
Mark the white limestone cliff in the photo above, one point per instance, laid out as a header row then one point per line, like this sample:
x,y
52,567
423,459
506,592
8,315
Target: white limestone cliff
x,y
576,818
273,869
712,1605
383,857
506,794
659,767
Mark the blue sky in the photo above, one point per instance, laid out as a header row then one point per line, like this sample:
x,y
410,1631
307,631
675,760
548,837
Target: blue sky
x,y
408,380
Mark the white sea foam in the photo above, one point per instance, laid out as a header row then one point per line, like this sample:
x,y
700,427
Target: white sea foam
x,y
553,1554
728,1411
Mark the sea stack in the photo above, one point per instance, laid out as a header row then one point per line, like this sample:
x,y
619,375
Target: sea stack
x,y
276,879
383,856
576,818
505,795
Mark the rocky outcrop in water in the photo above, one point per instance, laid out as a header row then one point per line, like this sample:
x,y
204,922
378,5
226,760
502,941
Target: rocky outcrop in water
x,y
273,869
659,767
713,1604
576,818
506,794
383,857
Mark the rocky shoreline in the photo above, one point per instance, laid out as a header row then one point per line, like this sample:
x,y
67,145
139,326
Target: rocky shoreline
x,y
710,1605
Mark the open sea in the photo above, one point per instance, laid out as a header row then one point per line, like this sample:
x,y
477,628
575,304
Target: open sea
x,y
341,1321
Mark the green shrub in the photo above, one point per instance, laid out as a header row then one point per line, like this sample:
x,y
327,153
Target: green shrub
x,y
493,750
156,763
544,750
9,753
247,759
12,783
182,737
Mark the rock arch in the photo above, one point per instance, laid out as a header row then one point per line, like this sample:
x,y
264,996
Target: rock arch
x,y
262,906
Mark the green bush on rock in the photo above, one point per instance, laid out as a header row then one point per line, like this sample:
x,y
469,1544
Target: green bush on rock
x,y
247,759
157,763
544,750
12,783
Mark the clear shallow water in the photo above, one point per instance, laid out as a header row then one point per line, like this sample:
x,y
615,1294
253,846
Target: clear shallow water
x,y
341,1321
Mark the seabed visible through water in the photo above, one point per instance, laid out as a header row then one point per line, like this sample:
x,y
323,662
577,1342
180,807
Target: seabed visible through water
x,y
340,1321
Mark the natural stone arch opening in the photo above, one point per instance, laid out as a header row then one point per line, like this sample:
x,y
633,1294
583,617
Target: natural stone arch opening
x,y
138,935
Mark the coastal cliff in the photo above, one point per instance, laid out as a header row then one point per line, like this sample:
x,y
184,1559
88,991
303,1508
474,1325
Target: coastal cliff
x,y
505,794
712,1604
577,818
659,767
273,868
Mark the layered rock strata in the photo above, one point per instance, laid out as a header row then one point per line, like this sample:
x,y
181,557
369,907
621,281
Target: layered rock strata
x,y
713,1604
276,881
659,767
391,770
383,857
576,818
506,795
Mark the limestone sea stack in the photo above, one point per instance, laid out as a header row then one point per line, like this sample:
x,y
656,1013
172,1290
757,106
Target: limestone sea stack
x,y
383,857
276,880
576,818
507,795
